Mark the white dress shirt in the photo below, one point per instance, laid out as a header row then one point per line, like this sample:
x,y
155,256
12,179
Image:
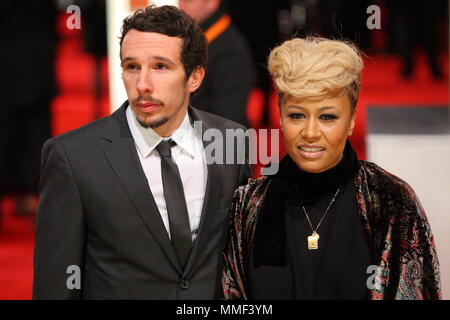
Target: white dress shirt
x,y
188,154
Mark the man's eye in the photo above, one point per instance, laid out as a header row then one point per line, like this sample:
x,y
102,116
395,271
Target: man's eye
x,y
296,115
161,66
328,117
131,67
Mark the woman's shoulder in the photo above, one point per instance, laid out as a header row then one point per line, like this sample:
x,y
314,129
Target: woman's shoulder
x,y
254,186
381,177
387,186
247,199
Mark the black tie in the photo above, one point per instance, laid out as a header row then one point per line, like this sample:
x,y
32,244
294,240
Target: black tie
x,y
180,230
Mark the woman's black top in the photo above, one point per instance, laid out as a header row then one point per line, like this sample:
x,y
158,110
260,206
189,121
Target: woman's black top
x,y
289,270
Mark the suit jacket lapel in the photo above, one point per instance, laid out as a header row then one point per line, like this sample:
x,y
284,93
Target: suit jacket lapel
x,y
122,156
213,193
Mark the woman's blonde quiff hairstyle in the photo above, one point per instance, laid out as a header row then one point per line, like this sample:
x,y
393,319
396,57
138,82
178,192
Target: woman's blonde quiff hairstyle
x,y
315,68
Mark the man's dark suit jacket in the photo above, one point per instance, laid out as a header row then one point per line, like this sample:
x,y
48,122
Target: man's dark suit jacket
x,y
97,212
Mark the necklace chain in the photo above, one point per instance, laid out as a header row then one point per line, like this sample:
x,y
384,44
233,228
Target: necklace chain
x,y
318,225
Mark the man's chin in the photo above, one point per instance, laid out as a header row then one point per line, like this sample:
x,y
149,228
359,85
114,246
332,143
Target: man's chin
x,y
145,122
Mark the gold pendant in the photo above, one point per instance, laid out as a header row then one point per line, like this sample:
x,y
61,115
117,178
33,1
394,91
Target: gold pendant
x,y
313,241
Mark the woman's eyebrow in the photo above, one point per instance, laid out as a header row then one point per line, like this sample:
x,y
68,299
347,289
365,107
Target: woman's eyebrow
x,y
303,108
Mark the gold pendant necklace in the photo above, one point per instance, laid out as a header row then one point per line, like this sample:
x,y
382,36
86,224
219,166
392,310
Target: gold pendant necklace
x,y
313,239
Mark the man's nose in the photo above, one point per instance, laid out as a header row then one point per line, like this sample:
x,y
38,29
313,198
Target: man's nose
x,y
144,82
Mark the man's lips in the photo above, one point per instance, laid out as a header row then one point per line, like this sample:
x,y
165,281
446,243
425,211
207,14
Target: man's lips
x,y
147,106
311,151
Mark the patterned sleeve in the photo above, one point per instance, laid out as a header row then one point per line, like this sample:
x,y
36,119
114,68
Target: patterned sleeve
x,y
408,266
232,279
419,273
244,210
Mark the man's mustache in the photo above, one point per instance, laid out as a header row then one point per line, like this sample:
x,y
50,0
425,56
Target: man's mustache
x,y
148,99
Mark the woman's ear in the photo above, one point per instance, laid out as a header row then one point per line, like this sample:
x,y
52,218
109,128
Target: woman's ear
x,y
196,78
352,123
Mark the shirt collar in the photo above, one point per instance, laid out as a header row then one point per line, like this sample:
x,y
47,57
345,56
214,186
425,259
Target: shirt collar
x,y
146,139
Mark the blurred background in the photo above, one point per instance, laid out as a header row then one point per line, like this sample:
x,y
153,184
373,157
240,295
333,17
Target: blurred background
x,y
60,70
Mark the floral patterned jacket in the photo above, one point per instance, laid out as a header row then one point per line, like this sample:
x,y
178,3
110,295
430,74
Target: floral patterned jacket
x,y
394,224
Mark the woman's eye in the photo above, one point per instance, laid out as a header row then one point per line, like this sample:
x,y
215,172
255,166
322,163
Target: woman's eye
x,y
296,116
328,117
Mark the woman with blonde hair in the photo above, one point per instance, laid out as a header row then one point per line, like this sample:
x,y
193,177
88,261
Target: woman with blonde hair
x,y
326,225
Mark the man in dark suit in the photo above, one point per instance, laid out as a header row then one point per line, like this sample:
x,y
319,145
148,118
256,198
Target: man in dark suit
x,y
131,207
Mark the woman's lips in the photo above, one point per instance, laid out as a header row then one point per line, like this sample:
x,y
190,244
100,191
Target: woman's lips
x,y
311,152
148,107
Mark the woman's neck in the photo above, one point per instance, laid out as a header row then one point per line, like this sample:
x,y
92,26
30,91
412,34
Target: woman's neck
x,y
308,187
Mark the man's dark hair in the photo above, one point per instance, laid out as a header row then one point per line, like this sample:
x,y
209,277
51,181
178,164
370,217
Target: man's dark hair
x,y
173,22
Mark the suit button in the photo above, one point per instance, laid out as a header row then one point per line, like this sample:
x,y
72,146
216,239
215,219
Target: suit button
x,y
184,284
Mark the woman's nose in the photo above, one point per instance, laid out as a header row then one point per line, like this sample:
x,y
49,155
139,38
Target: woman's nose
x,y
310,131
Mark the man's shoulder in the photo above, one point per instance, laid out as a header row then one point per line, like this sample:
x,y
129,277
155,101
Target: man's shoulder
x,y
85,139
84,133
215,121
88,133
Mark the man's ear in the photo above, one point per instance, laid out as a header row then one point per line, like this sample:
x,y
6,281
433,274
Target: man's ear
x,y
196,78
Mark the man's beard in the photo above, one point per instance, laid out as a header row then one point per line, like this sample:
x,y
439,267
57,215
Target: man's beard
x,y
153,124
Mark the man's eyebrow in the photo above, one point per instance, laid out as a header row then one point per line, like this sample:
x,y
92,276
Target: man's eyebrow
x,y
125,60
161,58
165,59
